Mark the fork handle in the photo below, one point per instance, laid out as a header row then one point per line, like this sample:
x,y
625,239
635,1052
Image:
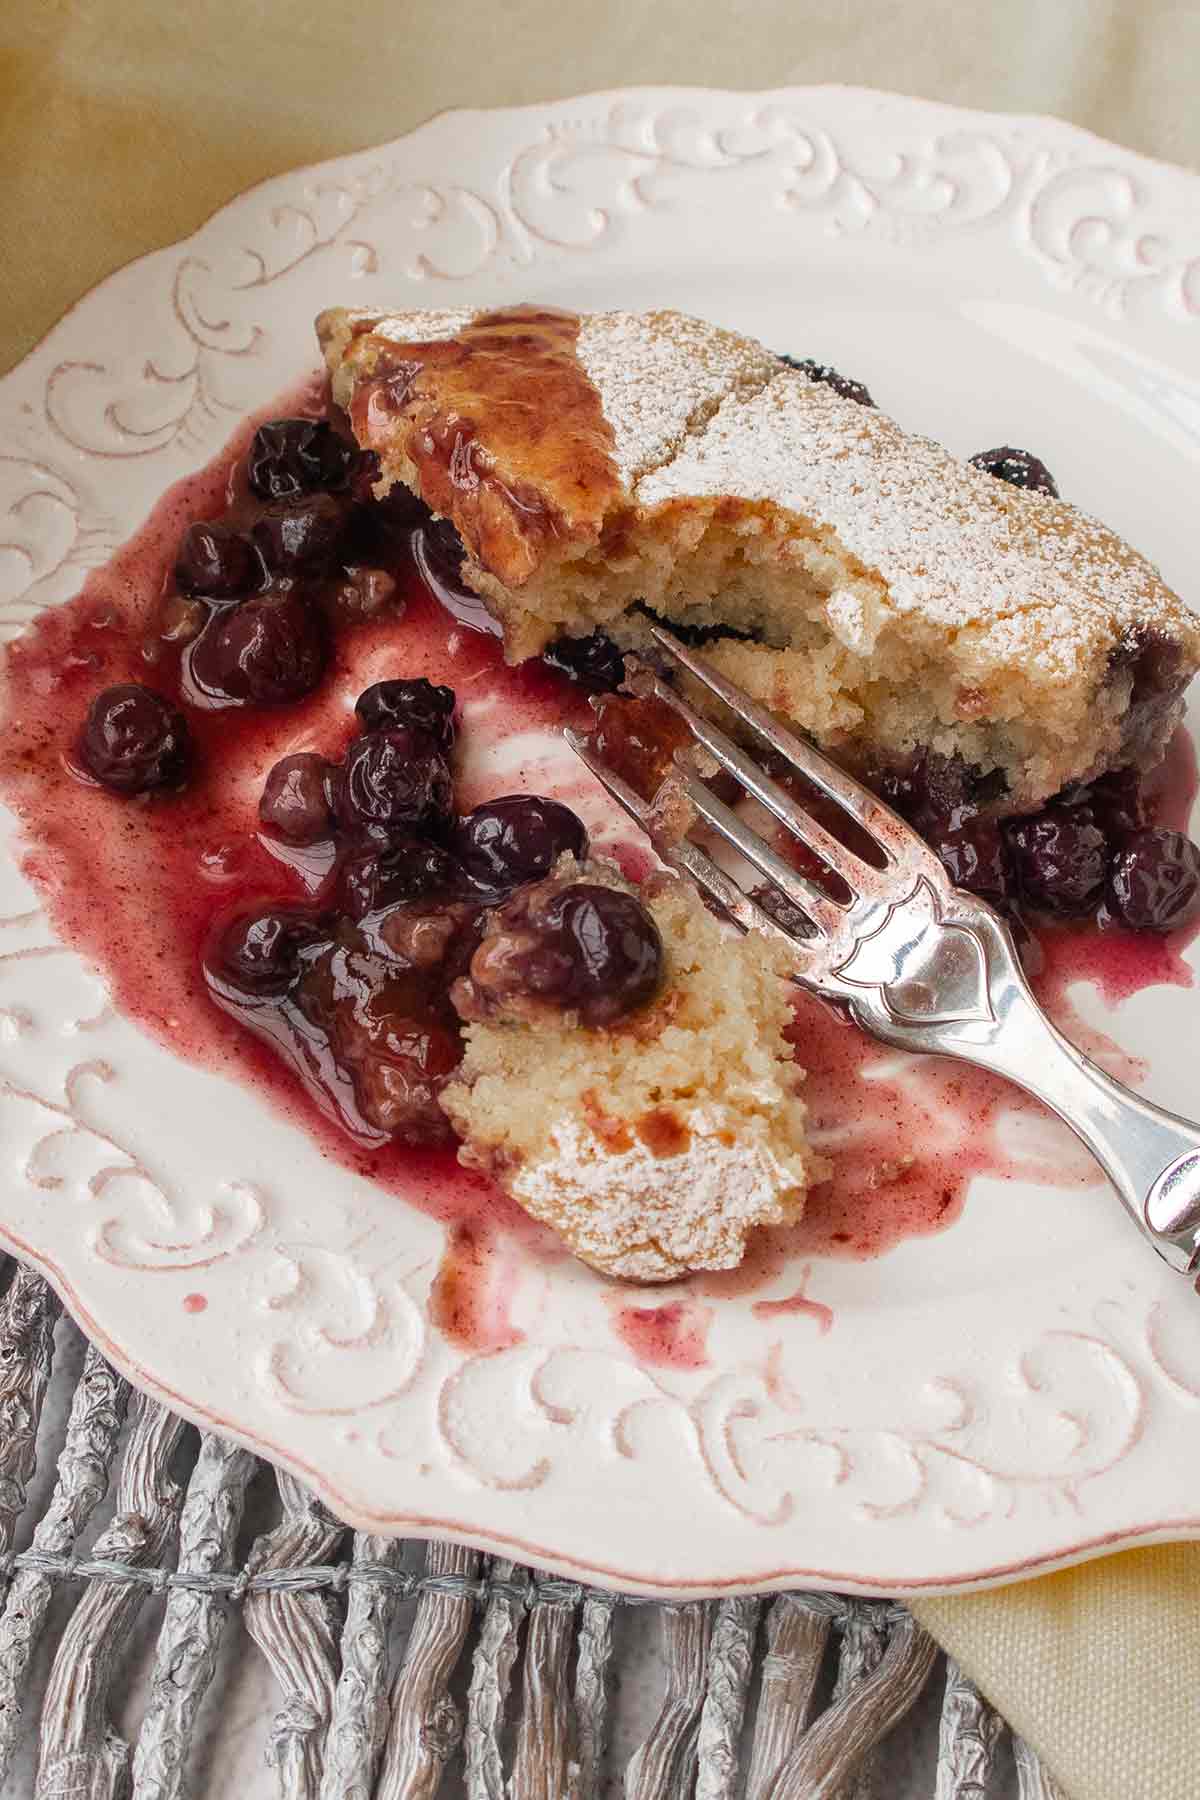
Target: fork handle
x,y
1151,1156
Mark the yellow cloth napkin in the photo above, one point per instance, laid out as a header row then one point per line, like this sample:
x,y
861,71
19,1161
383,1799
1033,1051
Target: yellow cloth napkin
x,y
124,123
1096,1666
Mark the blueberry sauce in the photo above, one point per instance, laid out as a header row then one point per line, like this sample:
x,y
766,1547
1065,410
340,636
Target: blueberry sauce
x,y
673,1336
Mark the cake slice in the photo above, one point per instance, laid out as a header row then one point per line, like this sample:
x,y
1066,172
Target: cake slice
x,y
654,1141
606,470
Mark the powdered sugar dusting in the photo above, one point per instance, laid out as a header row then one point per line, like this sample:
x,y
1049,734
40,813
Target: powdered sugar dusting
x,y
1023,575
661,375
699,413
432,327
962,613
652,1218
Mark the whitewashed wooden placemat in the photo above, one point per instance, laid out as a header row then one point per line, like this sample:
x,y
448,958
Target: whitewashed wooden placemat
x,y
179,1620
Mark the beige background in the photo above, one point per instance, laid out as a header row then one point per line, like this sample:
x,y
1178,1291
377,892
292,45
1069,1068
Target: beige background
x,y
124,123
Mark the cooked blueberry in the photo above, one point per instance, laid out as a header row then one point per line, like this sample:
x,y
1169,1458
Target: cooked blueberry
x,y
402,510
297,798
444,551
1154,881
402,870
935,793
976,857
1020,468
594,661
268,651
217,562
260,952
614,945
364,473
1115,801
384,1013
135,741
515,839
396,780
418,704
1156,661
300,537
436,932
439,553
600,954
290,457
1060,858
830,377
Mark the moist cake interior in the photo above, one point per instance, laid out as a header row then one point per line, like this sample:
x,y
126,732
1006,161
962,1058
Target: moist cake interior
x,y
861,581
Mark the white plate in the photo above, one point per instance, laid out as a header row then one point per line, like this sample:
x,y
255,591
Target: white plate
x,y
1020,1391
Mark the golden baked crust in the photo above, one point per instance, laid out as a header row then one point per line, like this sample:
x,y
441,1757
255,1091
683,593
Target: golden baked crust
x,y
890,596
495,425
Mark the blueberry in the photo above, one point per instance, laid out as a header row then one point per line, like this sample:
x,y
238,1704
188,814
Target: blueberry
x,y
260,952
403,870
1115,801
1060,858
935,793
266,652
300,537
395,780
600,953
444,552
290,457
1020,468
829,377
439,553
976,857
1156,662
134,740
296,799
515,839
1154,881
418,704
217,563
401,509
363,474
595,662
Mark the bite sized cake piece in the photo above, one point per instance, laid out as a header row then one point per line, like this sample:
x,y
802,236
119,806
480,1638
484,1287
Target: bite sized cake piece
x,y
888,598
655,1136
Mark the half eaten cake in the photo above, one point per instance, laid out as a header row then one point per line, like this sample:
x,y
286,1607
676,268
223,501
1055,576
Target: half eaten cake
x,y
607,470
652,1143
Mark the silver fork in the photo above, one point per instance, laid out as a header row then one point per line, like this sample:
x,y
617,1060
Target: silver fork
x,y
920,963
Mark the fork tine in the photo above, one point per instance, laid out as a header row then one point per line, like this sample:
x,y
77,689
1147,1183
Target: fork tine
x,y
860,876
687,857
825,913
875,816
